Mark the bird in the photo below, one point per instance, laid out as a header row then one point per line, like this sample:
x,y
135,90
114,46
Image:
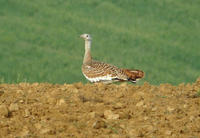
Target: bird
x,y
96,71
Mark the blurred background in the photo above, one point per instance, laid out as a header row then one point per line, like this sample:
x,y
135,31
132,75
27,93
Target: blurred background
x,y
39,39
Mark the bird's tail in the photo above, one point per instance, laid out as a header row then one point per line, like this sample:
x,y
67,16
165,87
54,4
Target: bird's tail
x,y
134,75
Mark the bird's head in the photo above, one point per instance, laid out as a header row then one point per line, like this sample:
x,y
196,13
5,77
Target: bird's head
x,y
86,37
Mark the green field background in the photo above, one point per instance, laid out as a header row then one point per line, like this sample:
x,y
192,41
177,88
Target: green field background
x,y
39,39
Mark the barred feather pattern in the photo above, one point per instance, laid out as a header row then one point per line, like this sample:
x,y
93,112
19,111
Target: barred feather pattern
x,y
102,72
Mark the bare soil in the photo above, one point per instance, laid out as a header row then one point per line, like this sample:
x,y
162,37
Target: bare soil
x,y
99,110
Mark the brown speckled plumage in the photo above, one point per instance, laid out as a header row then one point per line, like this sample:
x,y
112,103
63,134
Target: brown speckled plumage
x,y
96,71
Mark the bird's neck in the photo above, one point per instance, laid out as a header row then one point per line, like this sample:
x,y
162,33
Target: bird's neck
x,y
87,57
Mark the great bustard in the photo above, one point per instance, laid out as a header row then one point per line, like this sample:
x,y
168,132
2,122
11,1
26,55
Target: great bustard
x,y
96,71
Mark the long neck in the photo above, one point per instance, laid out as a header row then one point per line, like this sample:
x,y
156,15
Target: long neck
x,y
87,57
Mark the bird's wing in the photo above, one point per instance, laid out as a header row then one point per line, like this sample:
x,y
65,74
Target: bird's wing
x,y
99,71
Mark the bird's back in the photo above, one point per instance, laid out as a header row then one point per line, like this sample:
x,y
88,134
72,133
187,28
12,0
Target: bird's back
x,y
101,72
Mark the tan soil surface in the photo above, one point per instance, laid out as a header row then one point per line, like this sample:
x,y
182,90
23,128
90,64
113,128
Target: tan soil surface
x,y
98,110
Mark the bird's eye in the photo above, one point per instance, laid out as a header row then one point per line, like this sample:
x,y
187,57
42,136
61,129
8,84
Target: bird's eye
x,y
87,36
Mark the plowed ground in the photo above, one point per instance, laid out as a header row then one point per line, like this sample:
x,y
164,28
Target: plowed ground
x,y
98,110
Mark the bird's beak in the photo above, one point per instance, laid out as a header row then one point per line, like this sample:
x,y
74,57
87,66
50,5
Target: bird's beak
x,y
81,36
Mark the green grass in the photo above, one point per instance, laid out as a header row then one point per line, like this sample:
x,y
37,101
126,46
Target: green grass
x,y
39,40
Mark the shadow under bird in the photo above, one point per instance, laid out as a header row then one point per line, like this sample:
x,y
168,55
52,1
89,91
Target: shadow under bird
x,y
96,71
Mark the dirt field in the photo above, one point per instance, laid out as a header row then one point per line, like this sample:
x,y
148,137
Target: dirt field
x,y
98,110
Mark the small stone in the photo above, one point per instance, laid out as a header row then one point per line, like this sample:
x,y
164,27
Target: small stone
x,y
38,126
19,91
61,101
115,136
21,101
168,132
132,133
63,88
185,106
92,114
35,84
24,132
45,130
122,126
141,93
124,115
99,124
146,118
27,113
3,111
149,128
191,118
144,106
154,109
108,131
170,109
51,100
13,107
119,95
140,104
108,114
100,114
196,88
30,91
75,90
118,106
